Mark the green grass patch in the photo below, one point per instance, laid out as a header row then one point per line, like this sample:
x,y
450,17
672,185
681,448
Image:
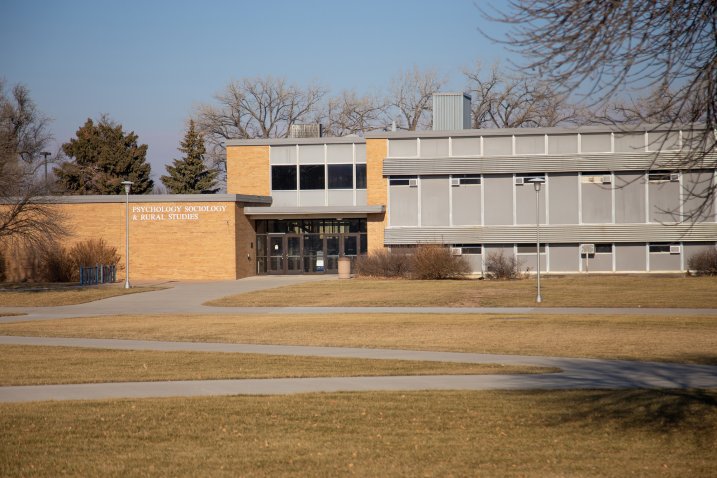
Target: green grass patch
x,y
664,338
35,365
565,291
556,433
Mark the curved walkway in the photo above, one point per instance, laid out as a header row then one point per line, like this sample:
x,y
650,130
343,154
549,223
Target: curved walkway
x,y
188,297
576,373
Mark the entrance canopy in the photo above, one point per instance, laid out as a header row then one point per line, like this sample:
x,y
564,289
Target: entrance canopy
x,y
309,212
308,240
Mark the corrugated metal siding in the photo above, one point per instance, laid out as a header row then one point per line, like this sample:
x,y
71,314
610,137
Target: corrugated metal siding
x,y
449,112
552,233
540,163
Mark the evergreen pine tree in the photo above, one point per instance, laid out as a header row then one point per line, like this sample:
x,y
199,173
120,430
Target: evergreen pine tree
x,y
104,156
190,175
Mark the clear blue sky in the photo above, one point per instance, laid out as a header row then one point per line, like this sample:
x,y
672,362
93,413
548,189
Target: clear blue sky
x,y
147,63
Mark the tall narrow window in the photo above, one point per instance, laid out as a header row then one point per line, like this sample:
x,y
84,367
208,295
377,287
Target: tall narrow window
x,y
360,176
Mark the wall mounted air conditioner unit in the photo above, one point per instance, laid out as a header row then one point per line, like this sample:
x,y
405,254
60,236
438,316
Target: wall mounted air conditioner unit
x,y
456,251
675,249
587,248
519,181
412,183
607,179
455,181
674,176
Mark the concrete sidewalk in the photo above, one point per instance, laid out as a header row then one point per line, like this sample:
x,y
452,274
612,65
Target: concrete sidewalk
x,y
176,298
576,373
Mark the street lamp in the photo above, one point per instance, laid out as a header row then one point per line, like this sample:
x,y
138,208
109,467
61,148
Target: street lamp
x,y
45,154
127,185
537,182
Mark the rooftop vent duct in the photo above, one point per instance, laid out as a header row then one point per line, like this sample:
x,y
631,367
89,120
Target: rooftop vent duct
x,y
313,130
451,111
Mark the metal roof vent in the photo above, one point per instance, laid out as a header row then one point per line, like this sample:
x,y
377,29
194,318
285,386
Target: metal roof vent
x,y
313,130
451,111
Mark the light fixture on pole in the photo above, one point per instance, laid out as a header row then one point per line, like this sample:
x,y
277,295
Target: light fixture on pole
x,y
127,185
537,182
45,154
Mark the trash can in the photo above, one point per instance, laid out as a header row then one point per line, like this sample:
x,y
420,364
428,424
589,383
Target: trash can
x,y
344,268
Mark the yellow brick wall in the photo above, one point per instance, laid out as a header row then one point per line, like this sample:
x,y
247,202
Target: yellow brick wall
x,y
246,245
161,247
377,191
201,248
248,170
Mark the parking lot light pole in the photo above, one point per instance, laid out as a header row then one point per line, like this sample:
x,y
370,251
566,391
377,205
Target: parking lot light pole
x,y
537,182
45,154
127,185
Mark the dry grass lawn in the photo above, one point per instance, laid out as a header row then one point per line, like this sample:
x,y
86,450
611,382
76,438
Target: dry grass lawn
x,y
30,365
64,296
557,433
673,338
568,291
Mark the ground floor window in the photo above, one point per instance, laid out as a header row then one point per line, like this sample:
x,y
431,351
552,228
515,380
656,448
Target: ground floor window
x,y
307,246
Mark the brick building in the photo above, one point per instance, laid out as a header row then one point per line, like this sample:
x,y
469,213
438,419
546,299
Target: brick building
x,y
610,200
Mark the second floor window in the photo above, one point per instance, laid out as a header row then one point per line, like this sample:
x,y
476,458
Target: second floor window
x,y
312,176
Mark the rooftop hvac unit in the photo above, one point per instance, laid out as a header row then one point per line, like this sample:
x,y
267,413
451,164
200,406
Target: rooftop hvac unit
x,y
313,130
675,249
674,176
456,251
413,183
519,181
455,181
607,179
451,111
587,248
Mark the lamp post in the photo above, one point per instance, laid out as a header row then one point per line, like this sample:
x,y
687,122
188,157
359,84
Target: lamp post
x,y
45,154
127,185
537,182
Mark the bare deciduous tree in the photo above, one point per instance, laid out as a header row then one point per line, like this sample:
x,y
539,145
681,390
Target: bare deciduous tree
x,y
254,108
504,101
604,49
659,106
352,114
24,217
410,100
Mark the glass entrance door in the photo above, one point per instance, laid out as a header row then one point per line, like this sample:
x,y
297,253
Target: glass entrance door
x,y
277,262
307,246
285,254
293,254
332,253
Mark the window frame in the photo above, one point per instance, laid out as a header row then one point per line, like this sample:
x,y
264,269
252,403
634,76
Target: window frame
x,y
330,177
312,182
277,168
466,249
360,176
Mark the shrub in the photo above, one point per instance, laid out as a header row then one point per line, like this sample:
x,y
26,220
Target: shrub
x,y
61,265
437,262
422,262
498,266
57,265
383,263
93,252
704,262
